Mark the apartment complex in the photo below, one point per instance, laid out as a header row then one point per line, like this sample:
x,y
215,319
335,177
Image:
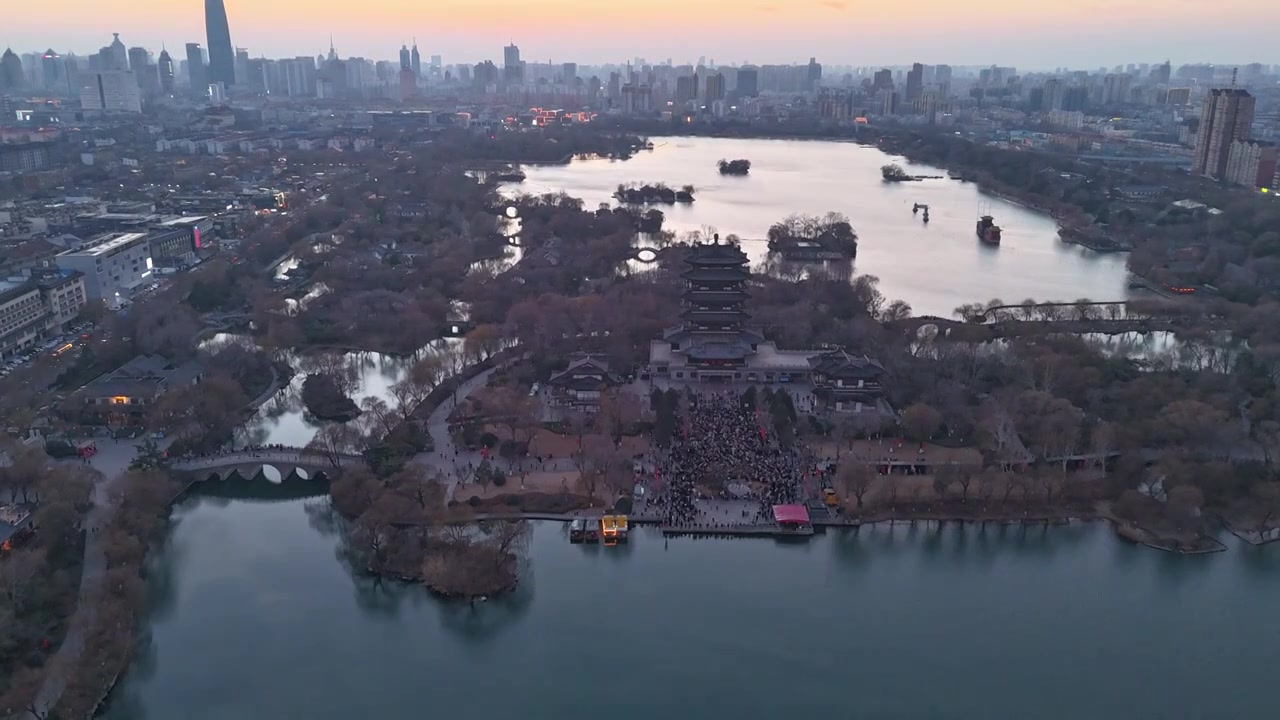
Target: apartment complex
x,y
1225,117
113,265
1252,163
35,309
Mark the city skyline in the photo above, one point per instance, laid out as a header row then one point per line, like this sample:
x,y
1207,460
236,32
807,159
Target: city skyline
x,y
930,31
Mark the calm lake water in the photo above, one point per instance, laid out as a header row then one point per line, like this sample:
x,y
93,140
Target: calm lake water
x,y
256,617
935,267
283,419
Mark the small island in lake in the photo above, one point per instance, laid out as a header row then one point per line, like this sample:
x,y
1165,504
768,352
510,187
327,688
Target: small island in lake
x,y
735,167
325,400
893,172
653,194
810,237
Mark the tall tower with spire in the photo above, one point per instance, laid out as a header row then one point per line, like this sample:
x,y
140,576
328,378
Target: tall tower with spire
x,y
165,63
222,56
416,61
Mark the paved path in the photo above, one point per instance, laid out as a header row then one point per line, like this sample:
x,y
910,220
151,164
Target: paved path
x,y
112,460
446,458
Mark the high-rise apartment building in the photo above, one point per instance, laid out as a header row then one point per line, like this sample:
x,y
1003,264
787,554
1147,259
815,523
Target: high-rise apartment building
x,y
915,82
222,59
144,71
1251,163
1225,117
882,80
196,75
686,89
715,87
1161,74
110,91
1115,88
748,82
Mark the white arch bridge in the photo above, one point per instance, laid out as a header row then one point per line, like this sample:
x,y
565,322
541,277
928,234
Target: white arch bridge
x,y
276,464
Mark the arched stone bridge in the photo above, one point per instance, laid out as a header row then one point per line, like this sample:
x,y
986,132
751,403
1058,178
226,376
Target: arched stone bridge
x,y
286,462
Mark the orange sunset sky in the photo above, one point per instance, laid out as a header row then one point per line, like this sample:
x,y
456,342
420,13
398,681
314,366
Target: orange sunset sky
x,y
1030,34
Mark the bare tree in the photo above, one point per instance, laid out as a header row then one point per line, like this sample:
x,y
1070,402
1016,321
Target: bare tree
x,y
856,479
619,411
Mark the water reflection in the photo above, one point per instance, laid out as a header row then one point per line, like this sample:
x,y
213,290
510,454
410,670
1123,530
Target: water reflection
x,y
935,267
283,418
250,595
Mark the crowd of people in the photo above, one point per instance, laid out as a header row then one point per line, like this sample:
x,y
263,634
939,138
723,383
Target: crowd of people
x,y
723,442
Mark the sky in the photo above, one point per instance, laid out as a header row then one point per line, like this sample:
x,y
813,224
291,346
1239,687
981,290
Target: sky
x,y
1028,34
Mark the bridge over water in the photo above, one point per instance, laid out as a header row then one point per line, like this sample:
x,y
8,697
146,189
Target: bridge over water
x,y
281,462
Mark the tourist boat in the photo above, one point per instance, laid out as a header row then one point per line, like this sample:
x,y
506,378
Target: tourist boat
x,y
577,531
988,230
613,528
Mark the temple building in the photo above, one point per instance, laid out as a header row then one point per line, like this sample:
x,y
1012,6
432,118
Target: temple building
x,y
847,383
580,385
715,342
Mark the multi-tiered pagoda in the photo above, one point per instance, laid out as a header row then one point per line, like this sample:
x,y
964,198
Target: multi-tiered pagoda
x,y
713,340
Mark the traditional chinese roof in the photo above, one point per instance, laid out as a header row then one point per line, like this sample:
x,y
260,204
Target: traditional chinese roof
x,y
717,349
716,274
585,372
718,296
709,254
839,363
719,317
680,334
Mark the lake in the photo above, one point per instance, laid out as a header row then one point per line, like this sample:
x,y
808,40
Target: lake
x,y
935,267
283,420
256,617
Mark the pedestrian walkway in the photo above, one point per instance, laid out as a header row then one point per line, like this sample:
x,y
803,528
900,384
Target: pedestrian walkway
x,y
112,461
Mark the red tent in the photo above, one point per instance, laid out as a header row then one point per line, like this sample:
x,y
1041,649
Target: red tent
x,y
791,514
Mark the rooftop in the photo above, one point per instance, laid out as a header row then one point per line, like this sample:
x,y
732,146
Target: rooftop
x,y
108,245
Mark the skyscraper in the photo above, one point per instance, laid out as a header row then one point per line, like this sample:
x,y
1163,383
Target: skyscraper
x,y
1161,74
165,64
11,76
115,57
415,60
54,72
1225,117
915,82
197,76
814,74
748,81
222,59
715,87
512,68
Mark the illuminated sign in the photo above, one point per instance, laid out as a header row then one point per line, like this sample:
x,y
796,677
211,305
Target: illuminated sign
x,y
196,233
